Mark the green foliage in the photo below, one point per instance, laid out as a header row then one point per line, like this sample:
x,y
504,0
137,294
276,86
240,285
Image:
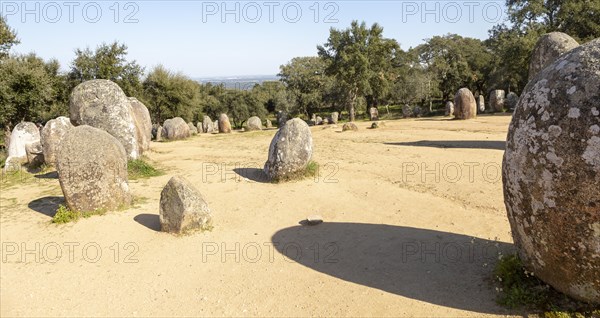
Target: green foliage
x,y
521,289
27,86
169,95
65,215
577,18
109,62
8,38
360,60
139,168
304,78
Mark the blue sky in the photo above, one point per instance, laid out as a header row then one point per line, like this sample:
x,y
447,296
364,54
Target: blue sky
x,y
194,37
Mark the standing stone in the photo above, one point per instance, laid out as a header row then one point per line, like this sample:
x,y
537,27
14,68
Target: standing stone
x,y
216,127
325,121
224,124
253,123
551,174
176,128
319,120
268,123
35,154
23,134
159,133
207,125
480,104
417,111
407,111
92,170
334,118
497,100
199,127
373,113
313,118
193,130
464,104
511,101
290,150
349,126
282,118
548,49
143,123
183,208
449,108
102,104
51,136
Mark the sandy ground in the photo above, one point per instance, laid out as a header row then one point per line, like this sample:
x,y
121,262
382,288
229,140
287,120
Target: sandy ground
x,y
414,222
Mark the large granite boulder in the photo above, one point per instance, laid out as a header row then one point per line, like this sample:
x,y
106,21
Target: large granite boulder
x,y
175,128
143,123
102,104
23,134
224,124
92,170
551,174
497,100
207,125
290,150
548,49
51,136
183,208
465,106
35,154
253,123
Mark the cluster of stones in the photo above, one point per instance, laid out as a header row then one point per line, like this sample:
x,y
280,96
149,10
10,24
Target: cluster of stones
x,y
318,120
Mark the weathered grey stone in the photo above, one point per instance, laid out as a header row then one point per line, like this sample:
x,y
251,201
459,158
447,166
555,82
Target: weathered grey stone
x,y
480,104
349,126
282,118
334,118
290,150
143,123
268,123
314,220
159,133
35,154
224,124
464,104
548,49
102,104
13,164
23,134
216,127
417,111
199,127
207,125
176,128
449,108
497,100
92,170
319,120
373,113
51,136
325,121
253,123
511,101
183,208
551,174
193,130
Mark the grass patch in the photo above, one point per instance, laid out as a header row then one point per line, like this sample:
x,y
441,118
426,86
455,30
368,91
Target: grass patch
x,y
521,289
311,170
65,215
140,169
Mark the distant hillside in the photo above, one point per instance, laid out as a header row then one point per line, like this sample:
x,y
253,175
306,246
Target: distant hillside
x,y
238,82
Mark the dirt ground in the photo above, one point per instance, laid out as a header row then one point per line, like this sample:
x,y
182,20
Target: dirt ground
x,y
414,223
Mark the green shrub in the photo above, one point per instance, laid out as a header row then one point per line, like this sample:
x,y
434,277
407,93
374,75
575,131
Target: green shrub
x,y
521,289
311,170
65,215
139,168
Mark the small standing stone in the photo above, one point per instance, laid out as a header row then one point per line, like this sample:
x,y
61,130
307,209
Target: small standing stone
x,y
374,113
334,118
449,108
224,124
349,126
183,208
